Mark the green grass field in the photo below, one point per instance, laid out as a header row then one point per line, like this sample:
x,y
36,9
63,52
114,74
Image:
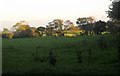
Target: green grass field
x,y
0,56
18,56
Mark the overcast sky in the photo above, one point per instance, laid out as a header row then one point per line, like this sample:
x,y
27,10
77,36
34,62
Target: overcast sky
x,y
39,12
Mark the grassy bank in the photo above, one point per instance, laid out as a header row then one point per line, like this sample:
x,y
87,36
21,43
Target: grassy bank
x,y
18,55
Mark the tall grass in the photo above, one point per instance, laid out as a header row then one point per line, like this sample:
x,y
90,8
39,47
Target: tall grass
x,y
0,56
18,55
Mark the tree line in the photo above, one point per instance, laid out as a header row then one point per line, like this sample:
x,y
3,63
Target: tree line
x,y
85,26
58,27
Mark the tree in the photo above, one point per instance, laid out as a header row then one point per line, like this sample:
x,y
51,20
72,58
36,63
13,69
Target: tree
x,y
41,30
85,23
6,33
84,20
22,29
25,33
20,26
114,12
49,28
58,26
99,27
74,30
114,15
111,27
68,24
55,27
34,32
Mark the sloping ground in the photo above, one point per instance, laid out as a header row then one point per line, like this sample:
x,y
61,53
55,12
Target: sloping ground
x,y
31,56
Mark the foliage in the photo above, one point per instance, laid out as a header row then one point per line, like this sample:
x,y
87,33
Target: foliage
x,y
41,30
58,26
73,31
34,32
111,27
85,20
114,15
68,24
49,28
114,12
99,27
6,33
20,26
22,34
21,29
85,23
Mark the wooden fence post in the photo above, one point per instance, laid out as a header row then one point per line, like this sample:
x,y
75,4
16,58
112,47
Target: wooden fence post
x,y
79,57
52,58
89,57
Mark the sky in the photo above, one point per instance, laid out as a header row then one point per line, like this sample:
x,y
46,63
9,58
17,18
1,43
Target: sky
x,y
40,12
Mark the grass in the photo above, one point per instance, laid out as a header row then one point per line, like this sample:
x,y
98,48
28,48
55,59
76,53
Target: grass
x,y
0,56
18,56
